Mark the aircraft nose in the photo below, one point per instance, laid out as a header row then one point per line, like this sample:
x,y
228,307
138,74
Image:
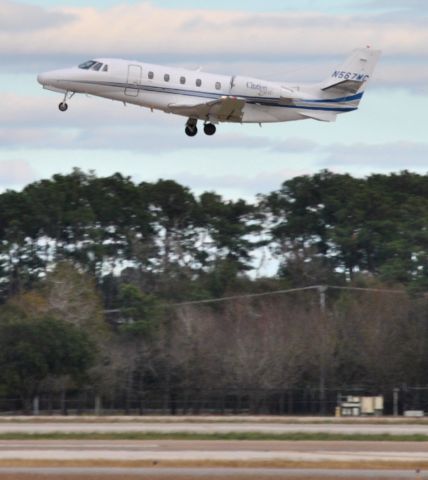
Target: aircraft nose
x,y
49,78
42,78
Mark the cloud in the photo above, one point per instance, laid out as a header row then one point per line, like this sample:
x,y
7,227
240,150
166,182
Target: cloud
x,y
30,111
418,5
16,172
143,29
18,17
90,123
247,185
285,46
392,155
293,145
145,139
93,124
36,123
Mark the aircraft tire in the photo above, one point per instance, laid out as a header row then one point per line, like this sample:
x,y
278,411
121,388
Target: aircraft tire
x,y
191,131
209,129
63,107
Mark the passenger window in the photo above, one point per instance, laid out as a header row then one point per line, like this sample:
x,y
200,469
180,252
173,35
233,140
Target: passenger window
x,y
218,85
151,75
105,68
198,82
182,80
166,77
97,66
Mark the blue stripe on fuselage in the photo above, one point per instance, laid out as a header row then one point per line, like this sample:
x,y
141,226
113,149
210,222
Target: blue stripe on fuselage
x,y
268,102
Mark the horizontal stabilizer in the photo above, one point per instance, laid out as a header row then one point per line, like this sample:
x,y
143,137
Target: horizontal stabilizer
x,y
345,86
321,116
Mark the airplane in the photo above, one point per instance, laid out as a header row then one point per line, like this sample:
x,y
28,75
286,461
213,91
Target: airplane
x,y
212,98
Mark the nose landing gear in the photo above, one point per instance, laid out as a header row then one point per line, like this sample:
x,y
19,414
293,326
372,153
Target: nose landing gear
x,y
63,106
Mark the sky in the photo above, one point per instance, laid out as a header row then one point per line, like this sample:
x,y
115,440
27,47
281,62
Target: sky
x,y
281,40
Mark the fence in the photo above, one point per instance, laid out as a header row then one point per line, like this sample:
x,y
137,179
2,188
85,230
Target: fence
x,y
302,401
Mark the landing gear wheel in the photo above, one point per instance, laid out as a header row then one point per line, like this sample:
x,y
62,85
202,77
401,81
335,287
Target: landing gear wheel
x,y
191,131
209,129
63,107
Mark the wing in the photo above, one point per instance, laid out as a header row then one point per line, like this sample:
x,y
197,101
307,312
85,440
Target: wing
x,y
226,109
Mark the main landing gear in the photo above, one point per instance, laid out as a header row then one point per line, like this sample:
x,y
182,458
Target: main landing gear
x,y
209,129
192,129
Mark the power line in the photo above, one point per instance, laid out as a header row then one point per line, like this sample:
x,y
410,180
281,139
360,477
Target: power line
x,y
246,295
321,288
362,289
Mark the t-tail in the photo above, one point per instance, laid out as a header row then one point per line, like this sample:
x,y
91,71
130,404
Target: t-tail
x,y
351,78
342,91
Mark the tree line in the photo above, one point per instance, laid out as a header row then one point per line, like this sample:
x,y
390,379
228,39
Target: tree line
x,y
93,271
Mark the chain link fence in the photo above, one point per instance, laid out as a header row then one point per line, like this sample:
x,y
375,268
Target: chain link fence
x,y
302,401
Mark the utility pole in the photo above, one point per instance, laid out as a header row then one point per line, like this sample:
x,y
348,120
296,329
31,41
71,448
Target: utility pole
x,y
322,290
395,393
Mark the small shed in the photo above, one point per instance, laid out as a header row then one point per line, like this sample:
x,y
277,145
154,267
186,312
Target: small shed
x,y
356,406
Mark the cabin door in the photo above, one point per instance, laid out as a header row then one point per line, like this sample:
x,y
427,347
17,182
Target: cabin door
x,y
134,80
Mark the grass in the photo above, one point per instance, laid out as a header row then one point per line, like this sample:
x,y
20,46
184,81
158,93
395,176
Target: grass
x,y
244,419
248,436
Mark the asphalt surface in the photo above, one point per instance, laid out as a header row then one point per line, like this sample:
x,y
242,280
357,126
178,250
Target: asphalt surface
x,y
213,473
210,427
218,451
30,452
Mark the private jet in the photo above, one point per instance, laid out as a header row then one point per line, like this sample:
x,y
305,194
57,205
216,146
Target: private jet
x,y
213,99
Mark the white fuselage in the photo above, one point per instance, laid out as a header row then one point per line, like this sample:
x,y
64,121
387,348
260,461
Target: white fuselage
x,y
171,89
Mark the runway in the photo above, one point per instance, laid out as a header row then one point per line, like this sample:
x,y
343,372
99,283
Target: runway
x,y
221,452
191,459
201,427
204,473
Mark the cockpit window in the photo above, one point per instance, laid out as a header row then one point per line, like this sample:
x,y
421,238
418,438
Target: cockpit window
x,y
105,68
97,66
87,65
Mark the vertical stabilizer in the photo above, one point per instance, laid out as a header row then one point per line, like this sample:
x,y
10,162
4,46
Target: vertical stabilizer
x,y
352,76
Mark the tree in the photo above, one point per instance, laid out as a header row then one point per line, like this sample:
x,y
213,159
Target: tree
x,y
34,349
141,313
232,229
71,295
377,225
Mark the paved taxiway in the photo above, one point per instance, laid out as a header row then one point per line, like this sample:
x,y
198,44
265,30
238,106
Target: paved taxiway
x,y
167,453
211,427
204,473
213,451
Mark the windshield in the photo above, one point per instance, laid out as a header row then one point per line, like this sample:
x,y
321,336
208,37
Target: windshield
x,y
97,66
87,65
